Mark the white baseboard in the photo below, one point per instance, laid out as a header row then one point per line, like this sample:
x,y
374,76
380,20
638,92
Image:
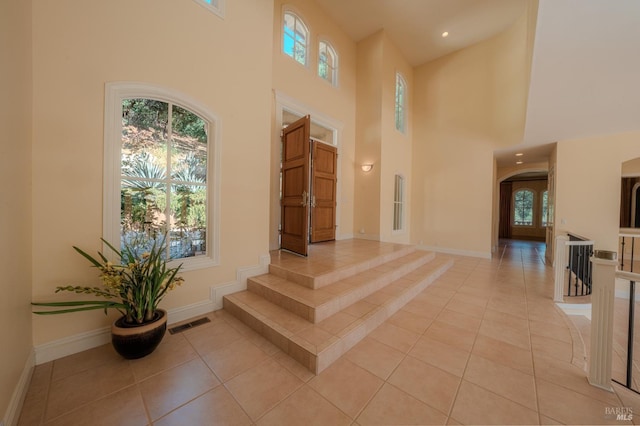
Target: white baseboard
x,y
91,339
240,283
345,237
11,416
469,253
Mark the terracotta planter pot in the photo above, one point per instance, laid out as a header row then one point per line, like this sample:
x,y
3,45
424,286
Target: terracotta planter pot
x,y
137,341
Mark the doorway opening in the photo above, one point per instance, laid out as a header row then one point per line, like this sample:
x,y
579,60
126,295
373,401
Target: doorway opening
x,y
322,129
308,183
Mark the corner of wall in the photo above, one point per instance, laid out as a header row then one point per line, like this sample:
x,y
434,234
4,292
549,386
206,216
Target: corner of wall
x,y
11,416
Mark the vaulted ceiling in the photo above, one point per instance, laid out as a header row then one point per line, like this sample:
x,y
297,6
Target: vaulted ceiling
x,y
585,77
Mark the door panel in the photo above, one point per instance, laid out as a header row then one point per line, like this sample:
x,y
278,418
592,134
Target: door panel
x,y
294,220
323,201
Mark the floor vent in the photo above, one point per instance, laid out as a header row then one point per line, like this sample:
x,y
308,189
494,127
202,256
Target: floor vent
x,y
183,327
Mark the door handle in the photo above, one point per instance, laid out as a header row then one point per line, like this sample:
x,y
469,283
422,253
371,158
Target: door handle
x,y
304,198
313,201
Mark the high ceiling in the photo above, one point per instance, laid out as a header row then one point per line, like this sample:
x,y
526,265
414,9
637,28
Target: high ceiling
x,y
416,26
586,61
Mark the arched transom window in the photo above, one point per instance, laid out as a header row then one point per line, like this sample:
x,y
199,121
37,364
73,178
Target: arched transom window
x,y
327,62
295,38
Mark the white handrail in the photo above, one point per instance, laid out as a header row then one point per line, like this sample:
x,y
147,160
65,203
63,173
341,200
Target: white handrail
x,y
631,276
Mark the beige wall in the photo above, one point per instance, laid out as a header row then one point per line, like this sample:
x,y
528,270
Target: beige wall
x,y
15,206
396,147
588,179
337,104
369,136
78,46
466,105
378,140
631,167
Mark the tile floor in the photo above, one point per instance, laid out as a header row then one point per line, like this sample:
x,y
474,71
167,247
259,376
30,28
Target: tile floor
x,y
484,344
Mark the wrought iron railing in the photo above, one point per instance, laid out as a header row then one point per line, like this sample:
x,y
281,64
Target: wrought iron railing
x,y
625,360
573,266
628,255
579,266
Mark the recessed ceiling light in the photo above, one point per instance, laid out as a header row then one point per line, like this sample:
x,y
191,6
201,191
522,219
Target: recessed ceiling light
x,y
445,34
519,162
520,154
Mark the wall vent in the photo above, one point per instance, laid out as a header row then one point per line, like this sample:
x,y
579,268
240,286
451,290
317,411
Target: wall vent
x,y
183,327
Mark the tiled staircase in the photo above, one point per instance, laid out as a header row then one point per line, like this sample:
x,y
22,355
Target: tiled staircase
x,y
315,311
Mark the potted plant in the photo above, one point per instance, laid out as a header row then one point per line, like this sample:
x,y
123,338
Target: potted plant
x,y
135,286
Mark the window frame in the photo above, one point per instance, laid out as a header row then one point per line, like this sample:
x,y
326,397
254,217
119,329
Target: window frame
x,y
334,69
115,93
533,208
399,190
297,19
544,222
215,6
400,104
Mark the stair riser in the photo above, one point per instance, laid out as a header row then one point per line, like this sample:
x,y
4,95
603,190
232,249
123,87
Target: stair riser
x,y
347,339
339,274
324,311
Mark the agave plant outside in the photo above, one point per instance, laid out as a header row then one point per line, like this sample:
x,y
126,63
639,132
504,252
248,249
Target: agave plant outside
x,y
134,287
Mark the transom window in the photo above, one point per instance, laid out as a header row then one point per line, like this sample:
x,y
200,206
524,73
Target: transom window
x,y
158,174
523,208
295,38
398,203
401,101
327,62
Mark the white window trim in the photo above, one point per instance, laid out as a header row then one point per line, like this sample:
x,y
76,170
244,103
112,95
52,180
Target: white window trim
x,y
115,92
218,8
403,204
307,56
405,115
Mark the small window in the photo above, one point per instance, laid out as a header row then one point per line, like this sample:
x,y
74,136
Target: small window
x,y
545,209
215,6
398,203
328,63
523,208
295,38
401,102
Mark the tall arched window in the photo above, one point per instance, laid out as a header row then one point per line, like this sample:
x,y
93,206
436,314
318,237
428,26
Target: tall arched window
x,y
295,38
159,174
523,207
327,62
401,102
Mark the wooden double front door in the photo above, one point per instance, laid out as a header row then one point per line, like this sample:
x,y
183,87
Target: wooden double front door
x,y
308,200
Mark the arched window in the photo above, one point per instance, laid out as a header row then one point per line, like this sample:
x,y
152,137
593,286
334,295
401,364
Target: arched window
x,y
401,102
328,63
523,207
159,176
398,203
215,6
544,216
295,38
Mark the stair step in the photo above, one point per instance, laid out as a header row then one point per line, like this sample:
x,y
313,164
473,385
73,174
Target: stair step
x,y
317,305
317,345
321,274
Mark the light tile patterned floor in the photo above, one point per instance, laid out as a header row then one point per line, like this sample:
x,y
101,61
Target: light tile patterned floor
x,y
484,344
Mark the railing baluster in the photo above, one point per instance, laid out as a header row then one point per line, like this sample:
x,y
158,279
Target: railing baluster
x,y
622,255
630,333
633,243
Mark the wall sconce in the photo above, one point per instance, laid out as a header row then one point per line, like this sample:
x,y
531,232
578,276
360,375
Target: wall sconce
x,y
366,167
